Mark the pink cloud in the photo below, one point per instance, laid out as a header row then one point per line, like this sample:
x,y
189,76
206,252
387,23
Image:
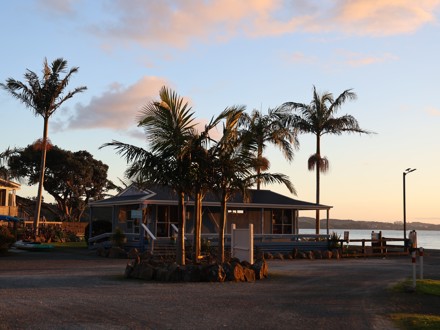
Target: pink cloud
x,y
116,108
177,23
381,18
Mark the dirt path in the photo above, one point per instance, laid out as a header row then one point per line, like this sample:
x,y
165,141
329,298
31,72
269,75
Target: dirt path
x,y
71,290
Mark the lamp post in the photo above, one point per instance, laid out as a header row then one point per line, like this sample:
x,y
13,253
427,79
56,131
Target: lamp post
x,y
407,171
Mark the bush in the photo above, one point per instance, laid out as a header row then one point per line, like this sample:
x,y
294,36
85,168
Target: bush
x,y
6,238
118,238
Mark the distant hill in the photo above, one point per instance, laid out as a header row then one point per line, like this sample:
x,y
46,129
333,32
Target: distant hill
x,y
309,223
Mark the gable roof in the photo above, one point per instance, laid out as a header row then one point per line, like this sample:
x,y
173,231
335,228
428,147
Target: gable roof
x,y
162,195
9,184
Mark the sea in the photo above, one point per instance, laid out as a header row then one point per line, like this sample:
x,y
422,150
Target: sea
x,y
427,239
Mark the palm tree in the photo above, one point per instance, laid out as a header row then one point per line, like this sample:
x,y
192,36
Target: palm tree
x,y
201,166
319,118
260,129
169,128
233,166
44,96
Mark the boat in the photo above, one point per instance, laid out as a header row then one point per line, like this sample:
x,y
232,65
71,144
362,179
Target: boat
x,y
32,246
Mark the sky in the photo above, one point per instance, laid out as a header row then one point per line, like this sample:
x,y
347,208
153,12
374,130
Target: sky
x,y
257,53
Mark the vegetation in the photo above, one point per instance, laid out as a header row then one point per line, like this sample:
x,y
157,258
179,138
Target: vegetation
x,y
72,178
169,126
118,238
334,240
259,130
6,238
44,96
319,118
190,162
5,173
415,320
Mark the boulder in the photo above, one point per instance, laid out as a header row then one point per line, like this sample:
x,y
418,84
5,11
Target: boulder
x,y
260,269
336,254
318,254
249,275
327,254
191,273
233,271
116,252
215,273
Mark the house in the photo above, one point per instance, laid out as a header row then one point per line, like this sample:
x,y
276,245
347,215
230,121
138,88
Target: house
x,y
8,204
153,212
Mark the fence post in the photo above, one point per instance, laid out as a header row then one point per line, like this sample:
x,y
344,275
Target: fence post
x,y
413,259
421,262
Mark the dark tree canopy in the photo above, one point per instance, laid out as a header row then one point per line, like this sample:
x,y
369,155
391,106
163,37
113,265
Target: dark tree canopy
x,y
71,178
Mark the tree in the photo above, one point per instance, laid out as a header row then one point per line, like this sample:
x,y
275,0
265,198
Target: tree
x,y
201,165
260,129
44,96
319,118
5,173
169,128
233,169
72,178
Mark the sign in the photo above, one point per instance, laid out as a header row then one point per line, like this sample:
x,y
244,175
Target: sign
x,y
136,214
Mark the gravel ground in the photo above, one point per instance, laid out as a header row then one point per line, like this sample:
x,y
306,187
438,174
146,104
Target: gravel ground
x,y
71,289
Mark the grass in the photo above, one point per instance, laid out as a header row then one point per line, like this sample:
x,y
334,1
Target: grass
x,y
431,287
78,245
413,321
416,321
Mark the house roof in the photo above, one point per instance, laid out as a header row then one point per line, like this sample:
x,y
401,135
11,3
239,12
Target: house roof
x,y
163,195
9,184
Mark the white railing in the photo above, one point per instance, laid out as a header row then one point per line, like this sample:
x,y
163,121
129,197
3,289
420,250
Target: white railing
x,y
176,230
148,231
98,237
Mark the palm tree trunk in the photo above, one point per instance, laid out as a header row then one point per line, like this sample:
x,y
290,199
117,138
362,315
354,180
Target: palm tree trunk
x,y
197,221
181,237
41,180
318,170
259,156
221,231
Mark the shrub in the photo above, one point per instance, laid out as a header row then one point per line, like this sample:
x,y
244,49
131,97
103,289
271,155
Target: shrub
x,y
6,238
118,238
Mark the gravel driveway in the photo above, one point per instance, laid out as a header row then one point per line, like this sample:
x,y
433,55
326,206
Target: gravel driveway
x,y
71,289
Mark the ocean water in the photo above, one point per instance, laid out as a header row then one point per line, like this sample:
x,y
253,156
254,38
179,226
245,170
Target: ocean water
x,y
428,239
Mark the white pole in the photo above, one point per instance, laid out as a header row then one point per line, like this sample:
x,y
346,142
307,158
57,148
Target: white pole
x,y
413,258
421,262
251,243
233,227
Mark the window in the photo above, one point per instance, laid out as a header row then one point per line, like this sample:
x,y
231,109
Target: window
x,y
282,222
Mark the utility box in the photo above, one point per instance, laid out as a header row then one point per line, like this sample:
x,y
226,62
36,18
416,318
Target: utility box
x,y
242,243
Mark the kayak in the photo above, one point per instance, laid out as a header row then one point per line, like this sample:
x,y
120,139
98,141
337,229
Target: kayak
x,y
32,246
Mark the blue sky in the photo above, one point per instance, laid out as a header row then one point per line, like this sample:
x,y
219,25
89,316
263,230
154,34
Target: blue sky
x,y
258,53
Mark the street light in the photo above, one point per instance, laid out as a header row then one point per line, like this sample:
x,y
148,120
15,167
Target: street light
x,y
407,171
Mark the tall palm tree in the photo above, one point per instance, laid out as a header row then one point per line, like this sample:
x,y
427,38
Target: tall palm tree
x,y
169,128
44,96
233,168
201,173
319,118
261,129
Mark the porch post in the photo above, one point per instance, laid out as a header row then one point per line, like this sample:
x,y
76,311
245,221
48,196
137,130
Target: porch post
x,y
296,232
328,215
262,220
